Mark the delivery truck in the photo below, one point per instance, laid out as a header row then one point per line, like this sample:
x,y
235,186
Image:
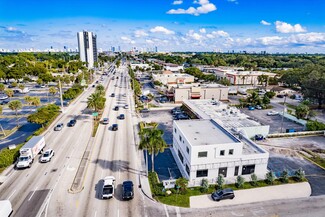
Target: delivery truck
x,y
29,151
5,208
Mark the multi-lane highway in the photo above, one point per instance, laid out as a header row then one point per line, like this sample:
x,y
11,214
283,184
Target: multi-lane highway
x,y
45,189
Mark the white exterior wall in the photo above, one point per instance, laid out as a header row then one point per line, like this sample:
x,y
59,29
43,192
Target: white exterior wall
x,y
218,93
252,131
81,44
140,65
174,68
172,78
214,161
90,52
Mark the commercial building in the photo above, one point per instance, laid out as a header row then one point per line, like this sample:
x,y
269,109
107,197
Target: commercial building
x,y
180,92
168,77
173,67
87,44
204,149
237,76
207,147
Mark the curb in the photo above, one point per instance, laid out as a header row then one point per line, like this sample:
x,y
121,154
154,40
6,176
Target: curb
x,y
306,158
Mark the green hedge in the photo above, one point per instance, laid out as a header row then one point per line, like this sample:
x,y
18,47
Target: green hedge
x,y
73,92
8,157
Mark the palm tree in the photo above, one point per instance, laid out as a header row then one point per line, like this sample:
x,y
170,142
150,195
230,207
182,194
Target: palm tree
x,y
151,140
100,89
254,99
15,106
21,87
52,91
2,87
28,99
96,101
36,101
9,92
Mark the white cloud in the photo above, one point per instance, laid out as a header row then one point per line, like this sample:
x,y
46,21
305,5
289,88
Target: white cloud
x,y
149,41
284,27
219,33
194,35
265,23
204,8
203,30
140,33
177,2
127,40
161,29
233,1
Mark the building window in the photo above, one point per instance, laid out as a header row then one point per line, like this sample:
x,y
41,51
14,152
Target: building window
x,y
203,154
201,173
187,150
248,169
175,130
236,170
223,171
187,169
180,138
222,153
180,156
231,151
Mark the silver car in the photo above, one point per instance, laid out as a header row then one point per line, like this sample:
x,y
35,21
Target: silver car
x,y
59,127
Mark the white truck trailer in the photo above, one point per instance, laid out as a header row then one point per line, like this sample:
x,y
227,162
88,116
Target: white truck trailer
x,y
29,151
5,208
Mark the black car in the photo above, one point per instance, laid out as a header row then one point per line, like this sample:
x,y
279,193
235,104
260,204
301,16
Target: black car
x,y
114,127
181,116
113,95
127,190
72,123
121,117
259,137
116,108
145,110
3,102
227,193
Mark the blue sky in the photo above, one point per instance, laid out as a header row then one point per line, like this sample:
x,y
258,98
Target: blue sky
x,y
171,25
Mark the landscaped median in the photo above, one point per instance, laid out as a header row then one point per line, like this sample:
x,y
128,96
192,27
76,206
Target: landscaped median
x,y
180,196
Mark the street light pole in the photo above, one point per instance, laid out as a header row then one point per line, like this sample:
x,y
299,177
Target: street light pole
x,y
61,98
284,105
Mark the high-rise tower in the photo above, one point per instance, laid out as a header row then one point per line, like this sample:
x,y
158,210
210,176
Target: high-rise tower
x,y
87,44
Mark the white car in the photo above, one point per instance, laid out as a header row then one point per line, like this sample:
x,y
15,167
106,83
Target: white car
x,y
126,106
3,97
108,187
272,113
47,156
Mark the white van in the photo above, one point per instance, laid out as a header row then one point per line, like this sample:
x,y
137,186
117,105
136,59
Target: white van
x,y
5,208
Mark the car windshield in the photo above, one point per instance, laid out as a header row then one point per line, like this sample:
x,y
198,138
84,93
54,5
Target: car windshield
x,y
220,193
59,125
46,154
23,158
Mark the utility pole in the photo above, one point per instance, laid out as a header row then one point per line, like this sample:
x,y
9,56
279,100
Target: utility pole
x,y
284,105
61,98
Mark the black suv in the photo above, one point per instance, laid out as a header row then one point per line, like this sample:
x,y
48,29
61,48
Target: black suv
x,y
227,193
121,117
72,123
127,190
116,108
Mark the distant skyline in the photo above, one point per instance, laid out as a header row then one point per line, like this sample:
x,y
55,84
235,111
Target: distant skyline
x,y
171,25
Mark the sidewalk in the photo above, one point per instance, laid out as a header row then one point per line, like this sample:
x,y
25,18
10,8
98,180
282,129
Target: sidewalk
x,y
287,191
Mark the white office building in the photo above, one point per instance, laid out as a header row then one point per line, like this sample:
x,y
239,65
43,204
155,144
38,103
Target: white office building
x,y
204,149
87,44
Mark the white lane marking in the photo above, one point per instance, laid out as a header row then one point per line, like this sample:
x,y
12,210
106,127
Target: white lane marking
x,y
32,194
165,207
95,214
178,213
236,214
11,195
118,212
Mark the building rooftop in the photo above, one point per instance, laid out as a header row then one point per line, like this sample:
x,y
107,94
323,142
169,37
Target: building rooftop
x,y
205,132
228,117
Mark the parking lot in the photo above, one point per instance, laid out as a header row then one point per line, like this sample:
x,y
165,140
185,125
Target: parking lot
x,y
165,165
283,155
274,122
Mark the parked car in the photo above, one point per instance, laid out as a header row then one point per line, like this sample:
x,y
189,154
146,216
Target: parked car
x,y
58,127
227,193
116,108
251,108
145,110
259,137
114,127
105,121
94,85
127,190
108,187
272,113
72,123
3,97
4,102
126,106
113,95
181,116
258,107
124,94
121,117
47,156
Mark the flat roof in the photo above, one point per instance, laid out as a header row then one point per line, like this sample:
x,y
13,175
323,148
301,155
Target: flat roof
x,y
205,132
228,117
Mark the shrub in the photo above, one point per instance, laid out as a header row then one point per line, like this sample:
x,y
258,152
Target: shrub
x,y
220,181
240,181
72,92
182,183
300,175
8,157
270,178
254,180
204,186
156,187
315,125
284,176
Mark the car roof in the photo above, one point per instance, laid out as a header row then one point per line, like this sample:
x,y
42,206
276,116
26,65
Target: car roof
x,y
48,150
228,190
127,183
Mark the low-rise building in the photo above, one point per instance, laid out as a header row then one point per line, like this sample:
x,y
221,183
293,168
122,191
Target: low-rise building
x,y
204,149
168,77
173,67
139,65
179,93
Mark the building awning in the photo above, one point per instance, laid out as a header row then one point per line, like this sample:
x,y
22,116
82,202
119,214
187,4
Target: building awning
x,y
195,96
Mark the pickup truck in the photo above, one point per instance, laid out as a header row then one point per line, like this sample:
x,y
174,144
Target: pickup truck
x,y
29,151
